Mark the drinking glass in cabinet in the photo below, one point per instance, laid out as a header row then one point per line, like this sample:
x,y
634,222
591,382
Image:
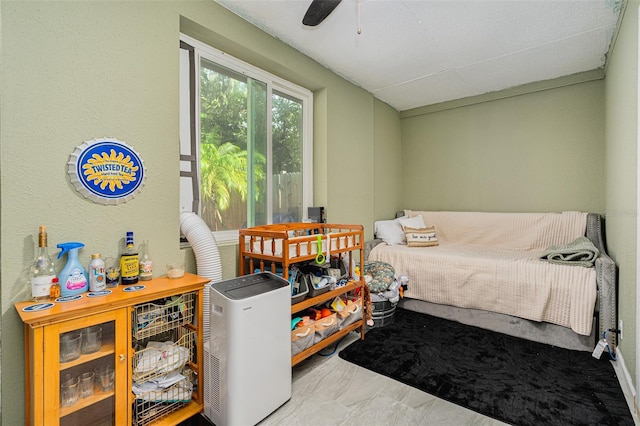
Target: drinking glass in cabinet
x,y
70,346
105,377
86,384
91,339
69,391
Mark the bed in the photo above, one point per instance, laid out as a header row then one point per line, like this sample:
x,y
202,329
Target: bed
x,y
487,269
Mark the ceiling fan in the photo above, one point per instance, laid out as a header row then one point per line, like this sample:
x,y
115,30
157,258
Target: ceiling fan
x,y
318,11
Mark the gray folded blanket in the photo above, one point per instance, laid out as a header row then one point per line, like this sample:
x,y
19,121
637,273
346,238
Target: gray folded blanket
x,y
581,252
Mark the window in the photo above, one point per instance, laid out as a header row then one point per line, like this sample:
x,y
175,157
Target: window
x,y
245,142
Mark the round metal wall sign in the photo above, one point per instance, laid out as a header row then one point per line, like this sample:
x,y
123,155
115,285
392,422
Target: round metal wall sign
x,y
106,171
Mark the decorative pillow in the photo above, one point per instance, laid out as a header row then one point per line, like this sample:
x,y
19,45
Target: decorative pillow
x,y
382,275
421,237
412,222
390,231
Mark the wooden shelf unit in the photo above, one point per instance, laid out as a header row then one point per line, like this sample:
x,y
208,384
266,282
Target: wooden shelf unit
x,y
275,248
114,312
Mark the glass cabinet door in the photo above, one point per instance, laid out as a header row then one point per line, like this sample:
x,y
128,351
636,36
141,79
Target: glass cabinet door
x,y
86,371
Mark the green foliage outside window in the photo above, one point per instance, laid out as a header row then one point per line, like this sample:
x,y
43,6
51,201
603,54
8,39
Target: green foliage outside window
x,y
233,147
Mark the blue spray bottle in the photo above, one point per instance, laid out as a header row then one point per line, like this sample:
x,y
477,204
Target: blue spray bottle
x,y
73,277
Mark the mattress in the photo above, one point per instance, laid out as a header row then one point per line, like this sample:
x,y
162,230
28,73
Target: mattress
x,y
497,279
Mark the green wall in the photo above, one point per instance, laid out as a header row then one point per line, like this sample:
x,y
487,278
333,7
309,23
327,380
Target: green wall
x,y
621,163
74,71
536,152
387,160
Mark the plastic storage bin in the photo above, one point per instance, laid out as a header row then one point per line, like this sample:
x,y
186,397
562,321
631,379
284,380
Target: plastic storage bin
x,y
316,291
303,291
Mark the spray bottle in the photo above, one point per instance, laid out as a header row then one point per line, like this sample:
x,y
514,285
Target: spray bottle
x,y
73,277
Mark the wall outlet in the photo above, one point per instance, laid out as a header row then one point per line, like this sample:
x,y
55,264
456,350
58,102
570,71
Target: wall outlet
x,y
620,327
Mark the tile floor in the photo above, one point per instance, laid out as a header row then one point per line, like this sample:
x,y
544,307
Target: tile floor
x,y
331,391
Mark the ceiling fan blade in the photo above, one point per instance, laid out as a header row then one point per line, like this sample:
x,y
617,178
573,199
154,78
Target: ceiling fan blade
x,y
318,11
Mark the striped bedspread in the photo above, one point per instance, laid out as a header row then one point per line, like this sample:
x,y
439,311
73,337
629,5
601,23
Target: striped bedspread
x,y
490,261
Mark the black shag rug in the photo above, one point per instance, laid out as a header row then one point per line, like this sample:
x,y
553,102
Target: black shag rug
x,y
510,379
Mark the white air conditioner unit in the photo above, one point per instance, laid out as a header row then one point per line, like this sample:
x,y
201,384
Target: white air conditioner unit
x,y
247,365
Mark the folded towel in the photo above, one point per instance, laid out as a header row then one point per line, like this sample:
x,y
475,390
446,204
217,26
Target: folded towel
x,y
580,251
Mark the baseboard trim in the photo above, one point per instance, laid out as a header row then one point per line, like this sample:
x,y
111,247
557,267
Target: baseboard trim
x,y
626,383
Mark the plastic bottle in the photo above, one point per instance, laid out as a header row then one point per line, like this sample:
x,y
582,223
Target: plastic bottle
x,y
42,270
146,264
73,277
129,267
54,292
97,279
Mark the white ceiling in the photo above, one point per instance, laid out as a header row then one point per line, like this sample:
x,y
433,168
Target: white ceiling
x,y
412,53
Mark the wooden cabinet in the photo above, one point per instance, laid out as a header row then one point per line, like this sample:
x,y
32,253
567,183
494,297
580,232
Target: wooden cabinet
x,y
98,408
275,248
129,317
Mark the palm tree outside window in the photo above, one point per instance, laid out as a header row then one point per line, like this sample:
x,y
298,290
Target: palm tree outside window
x,y
251,154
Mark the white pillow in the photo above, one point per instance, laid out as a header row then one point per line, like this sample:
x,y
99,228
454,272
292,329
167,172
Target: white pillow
x,y
390,231
415,222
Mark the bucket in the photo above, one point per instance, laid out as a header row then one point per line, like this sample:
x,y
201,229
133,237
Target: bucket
x,y
383,313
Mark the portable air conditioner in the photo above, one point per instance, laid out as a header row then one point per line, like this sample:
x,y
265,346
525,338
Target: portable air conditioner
x,y
247,365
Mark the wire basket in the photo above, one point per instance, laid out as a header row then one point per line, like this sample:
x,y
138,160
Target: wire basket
x,y
160,316
151,405
158,359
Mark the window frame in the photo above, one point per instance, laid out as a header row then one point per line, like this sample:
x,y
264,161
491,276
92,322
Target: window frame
x,y
274,83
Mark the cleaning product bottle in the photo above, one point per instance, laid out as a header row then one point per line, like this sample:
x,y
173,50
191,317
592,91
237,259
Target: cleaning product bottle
x,y
73,277
97,279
